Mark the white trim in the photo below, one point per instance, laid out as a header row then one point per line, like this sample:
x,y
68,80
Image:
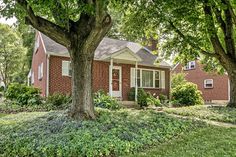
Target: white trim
x,y
47,81
117,93
136,81
110,77
44,48
141,79
205,81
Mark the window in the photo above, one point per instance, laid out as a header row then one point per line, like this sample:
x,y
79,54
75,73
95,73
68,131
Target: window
x,y
147,78
208,83
190,65
66,68
32,78
40,71
36,46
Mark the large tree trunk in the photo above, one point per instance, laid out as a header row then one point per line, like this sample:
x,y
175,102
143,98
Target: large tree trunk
x,y
82,100
232,80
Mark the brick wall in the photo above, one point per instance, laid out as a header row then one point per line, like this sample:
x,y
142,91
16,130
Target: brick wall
x,y
197,76
39,57
62,84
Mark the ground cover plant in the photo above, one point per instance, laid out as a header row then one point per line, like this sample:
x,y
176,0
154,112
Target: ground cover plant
x,y
217,113
113,133
207,142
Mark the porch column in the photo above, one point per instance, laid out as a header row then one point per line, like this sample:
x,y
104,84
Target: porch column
x,y
136,81
110,77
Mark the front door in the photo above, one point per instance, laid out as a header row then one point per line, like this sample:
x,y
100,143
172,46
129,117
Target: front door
x,y
116,81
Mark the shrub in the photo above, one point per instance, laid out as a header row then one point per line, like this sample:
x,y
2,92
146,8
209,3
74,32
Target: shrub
x,y
131,94
58,101
23,95
142,98
187,95
151,100
103,100
178,79
162,98
1,88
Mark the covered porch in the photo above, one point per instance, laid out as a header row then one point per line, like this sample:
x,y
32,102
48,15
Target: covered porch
x,y
124,56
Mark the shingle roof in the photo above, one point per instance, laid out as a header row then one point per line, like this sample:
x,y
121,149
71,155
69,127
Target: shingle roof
x,y
106,47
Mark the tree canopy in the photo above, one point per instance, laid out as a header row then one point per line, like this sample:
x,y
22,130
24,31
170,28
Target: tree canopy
x,y
12,53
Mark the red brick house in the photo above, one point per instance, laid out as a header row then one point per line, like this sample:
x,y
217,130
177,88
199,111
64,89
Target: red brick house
x,y
214,87
51,68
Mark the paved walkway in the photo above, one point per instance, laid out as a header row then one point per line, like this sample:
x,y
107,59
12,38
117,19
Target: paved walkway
x,y
211,122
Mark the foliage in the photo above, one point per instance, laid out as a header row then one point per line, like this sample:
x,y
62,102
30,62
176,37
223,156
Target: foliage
x,y
142,98
163,98
131,94
58,101
151,100
217,113
187,95
178,79
23,94
1,88
103,100
208,141
114,133
12,53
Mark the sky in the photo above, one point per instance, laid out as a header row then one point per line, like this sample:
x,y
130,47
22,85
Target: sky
x,y
8,21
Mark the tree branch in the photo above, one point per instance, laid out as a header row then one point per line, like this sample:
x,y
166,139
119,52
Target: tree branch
x,y
229,38
57,33
190,42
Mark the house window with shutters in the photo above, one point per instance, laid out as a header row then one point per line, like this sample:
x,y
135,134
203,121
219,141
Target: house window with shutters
x,y
66,68
208,83
147,78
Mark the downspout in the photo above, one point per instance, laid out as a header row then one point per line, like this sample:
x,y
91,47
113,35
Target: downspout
x,y
47,87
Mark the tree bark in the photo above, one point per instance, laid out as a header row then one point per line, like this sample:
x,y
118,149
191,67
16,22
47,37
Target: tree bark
x,y
82,100
232,81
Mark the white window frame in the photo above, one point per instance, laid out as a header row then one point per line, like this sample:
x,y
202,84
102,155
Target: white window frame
x,y
67,72
205,83
40,71
32,78
36,44
189,64
132,78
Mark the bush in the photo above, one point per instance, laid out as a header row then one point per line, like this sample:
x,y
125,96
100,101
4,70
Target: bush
x,y
58,101
131,94
187,95
2,89
178,79
142,98
23,95
103,100
151,100
162,98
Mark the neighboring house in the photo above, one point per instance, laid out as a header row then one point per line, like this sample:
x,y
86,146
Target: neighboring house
x,y
51,71
214,87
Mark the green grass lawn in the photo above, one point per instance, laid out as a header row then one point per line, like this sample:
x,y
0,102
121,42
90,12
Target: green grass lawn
x,y
205,142
114,133
217,113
